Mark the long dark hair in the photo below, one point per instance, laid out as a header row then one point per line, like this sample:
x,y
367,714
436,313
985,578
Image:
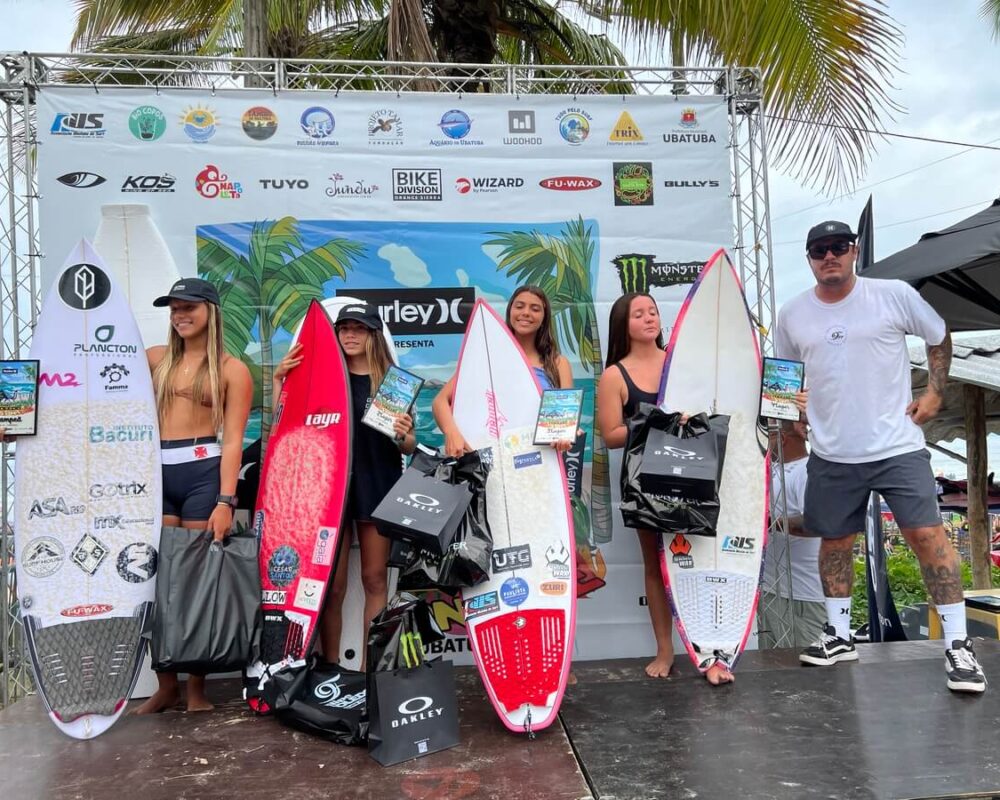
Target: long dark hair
x,y
545,342
619,342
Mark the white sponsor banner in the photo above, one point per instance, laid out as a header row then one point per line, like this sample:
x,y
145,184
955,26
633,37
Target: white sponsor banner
x,y
419,203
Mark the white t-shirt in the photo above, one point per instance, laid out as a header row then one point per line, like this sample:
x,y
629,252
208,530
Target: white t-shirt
x,y
806,584
858,367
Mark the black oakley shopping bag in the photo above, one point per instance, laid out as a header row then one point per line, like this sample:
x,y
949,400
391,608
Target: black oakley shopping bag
x,y
685,460
423,510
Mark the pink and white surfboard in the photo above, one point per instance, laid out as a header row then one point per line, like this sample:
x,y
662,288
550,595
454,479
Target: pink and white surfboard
x,y
713,365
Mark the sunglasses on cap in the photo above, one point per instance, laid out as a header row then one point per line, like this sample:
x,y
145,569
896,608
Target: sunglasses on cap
x,y
818,251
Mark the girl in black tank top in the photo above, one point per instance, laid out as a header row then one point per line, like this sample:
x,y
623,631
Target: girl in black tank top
x,y
635,395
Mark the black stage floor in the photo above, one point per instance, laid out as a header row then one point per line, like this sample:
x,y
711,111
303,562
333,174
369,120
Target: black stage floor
x,y
883,728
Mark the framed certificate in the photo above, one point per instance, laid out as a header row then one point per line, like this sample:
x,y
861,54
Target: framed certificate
x,y
558,416
781,380
19,397
396,395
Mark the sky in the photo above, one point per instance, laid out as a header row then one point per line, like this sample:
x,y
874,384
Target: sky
x,y
948,87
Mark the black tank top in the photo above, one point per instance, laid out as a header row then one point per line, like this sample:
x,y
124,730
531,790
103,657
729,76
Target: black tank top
x,y
635,395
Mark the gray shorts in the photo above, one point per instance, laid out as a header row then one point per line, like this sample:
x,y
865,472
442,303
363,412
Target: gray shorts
x,y
837,494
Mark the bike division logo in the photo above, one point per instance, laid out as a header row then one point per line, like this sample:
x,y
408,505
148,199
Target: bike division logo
x,y
639,272
199,123
633,183
84,287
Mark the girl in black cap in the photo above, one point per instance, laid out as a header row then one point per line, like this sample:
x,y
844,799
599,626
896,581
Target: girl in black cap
x,y
376,465
200,392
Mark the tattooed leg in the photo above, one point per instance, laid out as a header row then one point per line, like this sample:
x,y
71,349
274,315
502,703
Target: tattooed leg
x,y
939,563
836,566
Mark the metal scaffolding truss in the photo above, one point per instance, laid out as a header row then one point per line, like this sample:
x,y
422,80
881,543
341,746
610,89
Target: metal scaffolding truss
x,y
19,248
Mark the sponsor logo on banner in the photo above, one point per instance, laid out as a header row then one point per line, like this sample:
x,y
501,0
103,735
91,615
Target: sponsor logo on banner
x,y
626,132
742,545
199,123
318,124
557,561
555,588
105,345
120,434
50,507
350,188
89,554
84,287
149,183
323,419
570,183
574,125
680,547
283,183
114,377
416,184
488,185
694,184
147,123
324,548
514,591
87,610
687,131
81,180
80,125
527,460
283,566
633,183
309,594
104,491
639,272
456,125
508,559
481,604
43,556
259,123
137,562
424,311
385,128
521,127
273,597
212,183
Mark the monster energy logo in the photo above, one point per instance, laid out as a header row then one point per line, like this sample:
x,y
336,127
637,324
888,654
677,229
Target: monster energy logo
x,y
413,649
639,272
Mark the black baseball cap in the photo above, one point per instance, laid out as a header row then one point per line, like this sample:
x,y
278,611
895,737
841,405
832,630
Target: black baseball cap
x,y
193,289
828,229
364,313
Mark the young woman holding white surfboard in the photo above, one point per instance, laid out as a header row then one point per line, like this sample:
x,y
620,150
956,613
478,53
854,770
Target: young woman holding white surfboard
x,y
529,317
200,391
636,350
375,459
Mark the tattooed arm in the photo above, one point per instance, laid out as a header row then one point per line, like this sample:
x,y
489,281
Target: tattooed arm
x,y
926,406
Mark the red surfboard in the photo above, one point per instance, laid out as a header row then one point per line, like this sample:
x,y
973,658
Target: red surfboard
x,y
303,491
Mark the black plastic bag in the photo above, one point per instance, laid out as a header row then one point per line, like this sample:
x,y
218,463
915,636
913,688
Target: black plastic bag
x,y
661,512
685,460
207,612
322,699
399,633
424,510
466,563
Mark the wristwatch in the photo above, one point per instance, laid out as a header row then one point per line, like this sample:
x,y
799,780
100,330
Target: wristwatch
x,y
226,499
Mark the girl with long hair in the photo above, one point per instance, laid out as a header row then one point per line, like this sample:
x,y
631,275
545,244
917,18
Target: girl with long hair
x,y
201,392
529,317
376,465
637,353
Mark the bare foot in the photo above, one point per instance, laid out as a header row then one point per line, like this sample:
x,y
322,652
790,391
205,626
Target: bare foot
x,y
199,703
718,674
161,700
660,666
196,697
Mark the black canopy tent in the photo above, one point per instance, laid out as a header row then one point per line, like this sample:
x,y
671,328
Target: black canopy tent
x,y
957,271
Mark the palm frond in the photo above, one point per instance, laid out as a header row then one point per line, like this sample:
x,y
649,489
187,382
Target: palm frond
x,y
990,11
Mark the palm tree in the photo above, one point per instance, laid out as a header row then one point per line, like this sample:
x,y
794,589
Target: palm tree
x,y
990,11
270,288
826,66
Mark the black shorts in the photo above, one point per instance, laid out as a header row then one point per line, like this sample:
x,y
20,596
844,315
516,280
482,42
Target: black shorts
x,y
191,480
837,494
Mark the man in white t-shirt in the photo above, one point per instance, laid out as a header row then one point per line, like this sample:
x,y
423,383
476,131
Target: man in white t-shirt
x,y
865,436
798,594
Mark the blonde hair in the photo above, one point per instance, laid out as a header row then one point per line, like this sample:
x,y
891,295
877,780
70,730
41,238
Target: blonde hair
x,y
377,353
209,371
